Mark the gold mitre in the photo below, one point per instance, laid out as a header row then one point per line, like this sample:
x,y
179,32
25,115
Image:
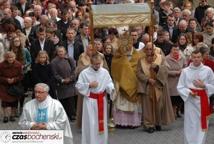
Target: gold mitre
x,y
125,43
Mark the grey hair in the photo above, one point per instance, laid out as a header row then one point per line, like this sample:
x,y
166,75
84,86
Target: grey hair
x,y
210,9
186,11
45,86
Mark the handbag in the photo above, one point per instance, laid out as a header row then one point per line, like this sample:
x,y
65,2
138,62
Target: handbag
x,y
16,90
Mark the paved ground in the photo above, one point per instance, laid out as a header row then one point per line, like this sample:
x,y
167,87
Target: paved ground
x,y
172,134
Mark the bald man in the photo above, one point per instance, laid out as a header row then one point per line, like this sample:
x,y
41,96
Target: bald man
x,y
28,29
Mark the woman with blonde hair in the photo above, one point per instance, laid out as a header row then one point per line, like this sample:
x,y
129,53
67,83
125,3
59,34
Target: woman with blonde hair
x,y
42,72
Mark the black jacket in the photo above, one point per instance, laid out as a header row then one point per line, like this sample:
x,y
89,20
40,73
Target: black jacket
x,y
48,47
175,33
27,7
44,74
78,48
199,12
32,35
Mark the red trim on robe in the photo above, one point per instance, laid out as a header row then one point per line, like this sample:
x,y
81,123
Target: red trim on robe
x,y
205,108
100,105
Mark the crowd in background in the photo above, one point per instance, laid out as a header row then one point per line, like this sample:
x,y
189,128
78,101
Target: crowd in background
x,y
48,41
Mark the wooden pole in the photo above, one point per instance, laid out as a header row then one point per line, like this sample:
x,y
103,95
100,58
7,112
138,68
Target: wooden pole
x,y
151,27
91,26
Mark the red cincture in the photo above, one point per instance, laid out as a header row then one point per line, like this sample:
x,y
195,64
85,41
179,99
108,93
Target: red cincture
x,y
205,108
100,105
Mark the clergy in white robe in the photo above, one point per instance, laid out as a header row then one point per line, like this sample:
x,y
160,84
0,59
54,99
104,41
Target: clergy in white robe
x,y
195,85
45,113
93,83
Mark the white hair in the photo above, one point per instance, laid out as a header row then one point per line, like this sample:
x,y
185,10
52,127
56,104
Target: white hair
x,y
44,86
183,21
186,11
210,9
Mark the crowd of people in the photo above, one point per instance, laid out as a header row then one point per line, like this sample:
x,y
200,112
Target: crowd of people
x,y
149,72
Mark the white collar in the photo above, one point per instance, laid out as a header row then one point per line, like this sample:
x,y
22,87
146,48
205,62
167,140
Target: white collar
x,y
45,103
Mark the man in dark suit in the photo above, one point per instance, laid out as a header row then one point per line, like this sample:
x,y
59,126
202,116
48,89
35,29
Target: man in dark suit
x,y
171,28
63,24
164,45
23,6
73,45
41,43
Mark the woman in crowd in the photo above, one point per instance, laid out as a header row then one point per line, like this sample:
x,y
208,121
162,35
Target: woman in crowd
x,y
208,17
42,72
196,39
10,73
64,73
206,59
108,53
24,57
182,43
175,65
212,50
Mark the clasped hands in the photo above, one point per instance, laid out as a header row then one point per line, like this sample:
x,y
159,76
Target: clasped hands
x,y
93,84
198,84
152,81
39,126
10,80
66,80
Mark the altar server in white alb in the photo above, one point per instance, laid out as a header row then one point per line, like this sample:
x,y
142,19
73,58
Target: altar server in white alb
x,y
93,83
45,113
195,85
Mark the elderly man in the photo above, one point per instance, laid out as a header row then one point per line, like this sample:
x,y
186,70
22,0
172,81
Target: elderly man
x,y
153,88
93,83
45,113
28,29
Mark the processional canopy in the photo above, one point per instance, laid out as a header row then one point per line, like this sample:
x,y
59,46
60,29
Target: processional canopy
x,y
109,15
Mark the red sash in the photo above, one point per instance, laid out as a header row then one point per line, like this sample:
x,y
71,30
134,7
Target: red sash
x,y
205,108
100,105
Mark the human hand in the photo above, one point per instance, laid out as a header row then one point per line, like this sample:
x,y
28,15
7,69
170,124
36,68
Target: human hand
x,y
10,80
35,127
42,126
155,68
199,83
193,94
152,81
178,72
93,84
66,80
39,126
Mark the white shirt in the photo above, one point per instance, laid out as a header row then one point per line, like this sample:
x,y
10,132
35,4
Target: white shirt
x,y
27,30
42,43
71,49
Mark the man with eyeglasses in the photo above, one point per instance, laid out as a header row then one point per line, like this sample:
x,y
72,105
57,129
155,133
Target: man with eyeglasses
x,y
45,113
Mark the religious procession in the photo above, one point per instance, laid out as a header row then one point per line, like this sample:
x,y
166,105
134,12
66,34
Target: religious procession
x,y
109,71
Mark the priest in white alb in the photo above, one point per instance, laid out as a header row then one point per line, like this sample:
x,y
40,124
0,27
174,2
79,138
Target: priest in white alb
x,y
45,113
195,86
93,83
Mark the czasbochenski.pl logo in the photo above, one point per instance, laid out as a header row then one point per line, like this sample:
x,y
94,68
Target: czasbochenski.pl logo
x,y
5,137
